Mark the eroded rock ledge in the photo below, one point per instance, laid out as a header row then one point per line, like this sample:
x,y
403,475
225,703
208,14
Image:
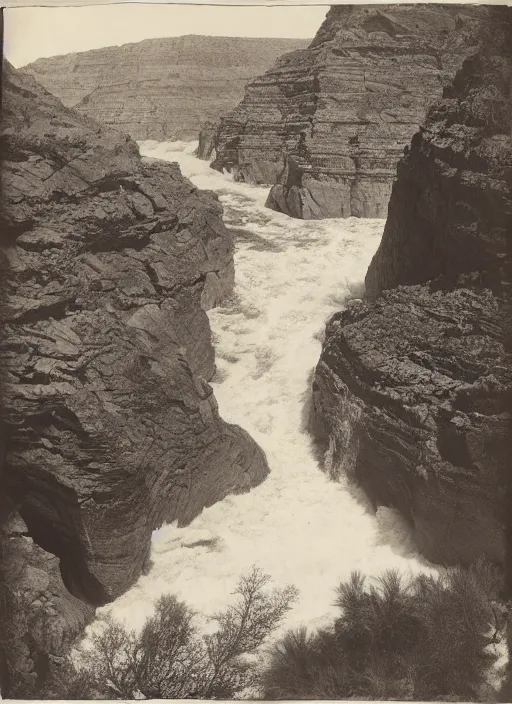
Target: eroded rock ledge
x,y
328,124
108,266
413,390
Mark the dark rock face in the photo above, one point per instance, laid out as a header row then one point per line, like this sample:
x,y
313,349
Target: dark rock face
x,y
206,147
450,211
328,124
160,88
40,618
413,389
108,266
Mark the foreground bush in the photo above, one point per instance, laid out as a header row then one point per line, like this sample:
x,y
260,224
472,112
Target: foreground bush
x,y
426,639
169,658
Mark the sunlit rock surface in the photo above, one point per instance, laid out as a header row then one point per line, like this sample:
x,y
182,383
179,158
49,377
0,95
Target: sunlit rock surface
x,y
108,266
414,386
328,124
160,88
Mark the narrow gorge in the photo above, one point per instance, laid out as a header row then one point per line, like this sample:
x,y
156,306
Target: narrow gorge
x,y
327,124
203,380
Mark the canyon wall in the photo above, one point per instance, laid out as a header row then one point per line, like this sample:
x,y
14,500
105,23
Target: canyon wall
x,y
108,264
160,88
328,124
413,389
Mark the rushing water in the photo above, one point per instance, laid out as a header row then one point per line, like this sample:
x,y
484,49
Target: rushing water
x,y
298,526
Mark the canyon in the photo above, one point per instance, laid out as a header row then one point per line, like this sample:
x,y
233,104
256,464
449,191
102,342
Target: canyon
x,y
109,263
327,124
413,390
166,423
298,525
160,88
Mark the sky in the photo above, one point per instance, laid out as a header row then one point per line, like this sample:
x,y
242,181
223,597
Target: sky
x,y
33,32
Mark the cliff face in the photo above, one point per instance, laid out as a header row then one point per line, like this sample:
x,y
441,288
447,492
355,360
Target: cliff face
x,y
160,88
40,618
328,124
414,386
108,266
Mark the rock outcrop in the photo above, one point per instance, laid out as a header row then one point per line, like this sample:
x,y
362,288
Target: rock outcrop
x,y
160,88
413,390
206,147
328,124
108,265
40,618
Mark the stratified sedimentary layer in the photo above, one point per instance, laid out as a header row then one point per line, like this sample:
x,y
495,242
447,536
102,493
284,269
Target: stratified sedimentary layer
x,y
160,88
414,387
108,266
328,124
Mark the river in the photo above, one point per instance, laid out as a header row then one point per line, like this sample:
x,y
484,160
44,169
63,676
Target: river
x,y
298,526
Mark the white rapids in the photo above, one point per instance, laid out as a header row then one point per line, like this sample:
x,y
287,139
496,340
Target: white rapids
x,y
298,526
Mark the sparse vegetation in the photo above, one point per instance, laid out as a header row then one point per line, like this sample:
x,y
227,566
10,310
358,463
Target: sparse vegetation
x,y
170,659
426,639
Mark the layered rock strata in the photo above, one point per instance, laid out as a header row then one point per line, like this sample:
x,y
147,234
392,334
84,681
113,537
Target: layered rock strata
x,y
328,124
413,389
109,263
160,88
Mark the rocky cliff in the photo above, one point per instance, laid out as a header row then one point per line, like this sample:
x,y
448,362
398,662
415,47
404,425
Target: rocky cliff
x,y
413,389
160,88
329,123
108,265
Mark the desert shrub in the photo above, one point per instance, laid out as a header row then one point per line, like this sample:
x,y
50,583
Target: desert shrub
x,y
170,659
425,638
66,682
505,694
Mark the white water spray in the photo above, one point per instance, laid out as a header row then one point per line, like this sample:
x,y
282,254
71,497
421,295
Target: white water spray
x,y
298,526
